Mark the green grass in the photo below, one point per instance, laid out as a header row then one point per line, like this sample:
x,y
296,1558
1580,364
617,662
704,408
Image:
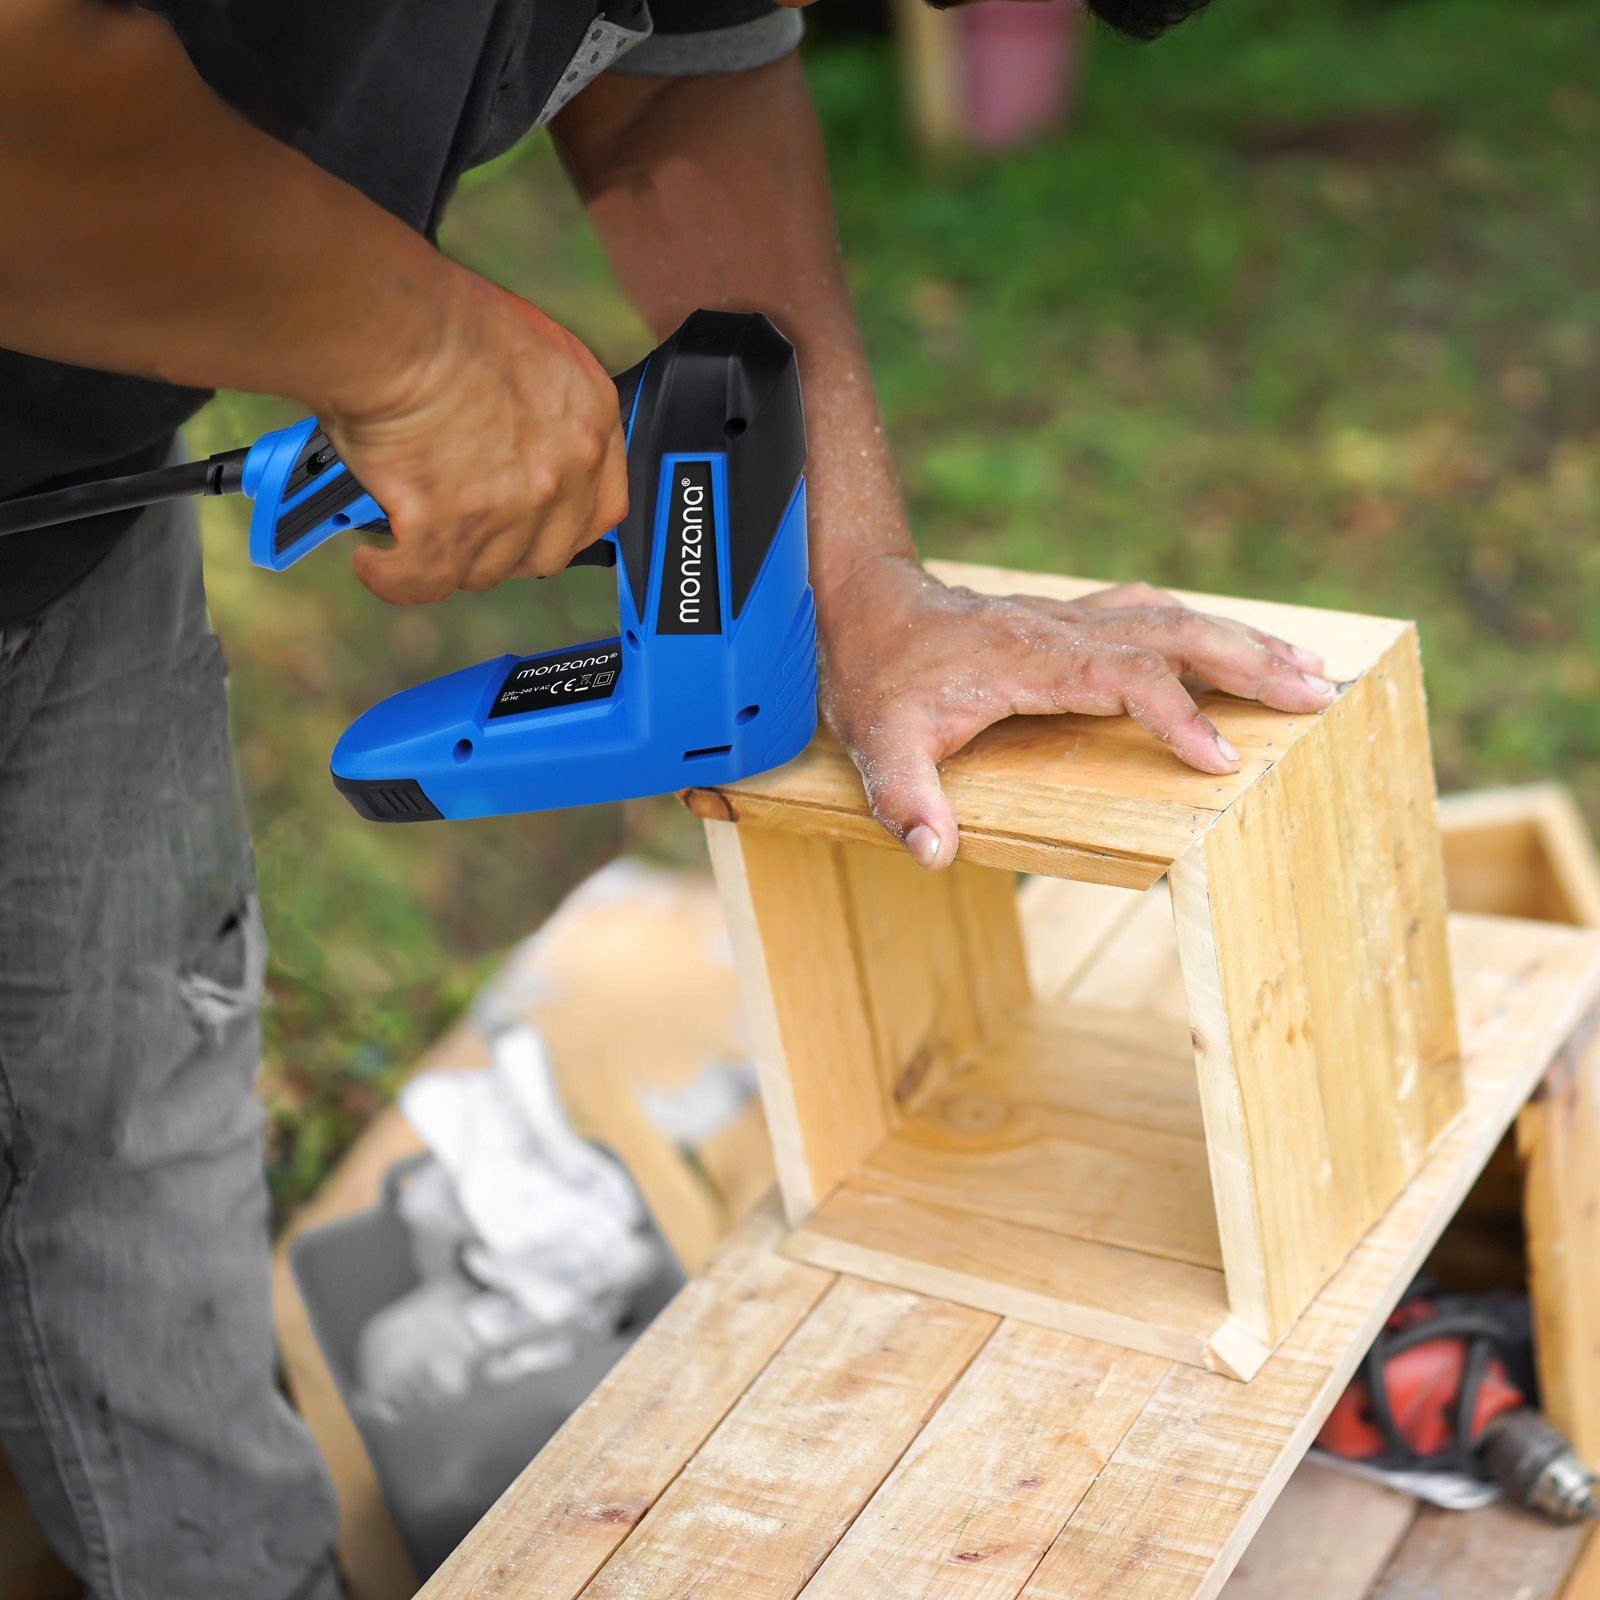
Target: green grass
x,y
1305,305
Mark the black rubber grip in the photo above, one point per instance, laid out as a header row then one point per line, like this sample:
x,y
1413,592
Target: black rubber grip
x,y
388,799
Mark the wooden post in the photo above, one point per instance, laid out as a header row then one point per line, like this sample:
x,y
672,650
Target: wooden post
x,y
1558,1138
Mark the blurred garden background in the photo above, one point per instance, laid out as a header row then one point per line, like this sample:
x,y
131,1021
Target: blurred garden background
x,y
1304,303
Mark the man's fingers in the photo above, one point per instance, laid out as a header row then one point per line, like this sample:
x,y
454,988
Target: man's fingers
x,y
1105,679
396,576
1123,595
1228,657
901,773
1306,660
523,553
1118,597
1145,596
1149,691
500,462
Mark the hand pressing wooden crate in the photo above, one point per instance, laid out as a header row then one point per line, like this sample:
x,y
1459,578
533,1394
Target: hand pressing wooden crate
x,y
1183,1188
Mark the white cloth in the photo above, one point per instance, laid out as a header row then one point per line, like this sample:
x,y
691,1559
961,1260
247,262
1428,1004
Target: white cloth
x,y
525,1237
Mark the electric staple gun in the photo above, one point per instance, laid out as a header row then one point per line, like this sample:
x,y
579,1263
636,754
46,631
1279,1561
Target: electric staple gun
x,y
712,674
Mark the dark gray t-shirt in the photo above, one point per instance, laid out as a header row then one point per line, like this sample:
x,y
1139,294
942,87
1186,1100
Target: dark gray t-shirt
x,y
396,97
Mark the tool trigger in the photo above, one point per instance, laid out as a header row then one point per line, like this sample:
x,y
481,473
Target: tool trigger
x,y
602,553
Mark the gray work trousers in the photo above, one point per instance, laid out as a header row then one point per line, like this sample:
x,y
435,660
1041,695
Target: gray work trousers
x,y
138,1402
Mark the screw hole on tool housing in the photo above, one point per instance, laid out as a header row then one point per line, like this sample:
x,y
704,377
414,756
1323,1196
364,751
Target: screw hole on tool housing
x,y
341,519
631,639
463,750
734,427
748,714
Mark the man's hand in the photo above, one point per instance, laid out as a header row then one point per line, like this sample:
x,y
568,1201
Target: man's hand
x,y
913,670
499,456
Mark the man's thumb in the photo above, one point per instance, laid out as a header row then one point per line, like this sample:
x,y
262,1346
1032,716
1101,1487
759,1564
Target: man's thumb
x,y
902,782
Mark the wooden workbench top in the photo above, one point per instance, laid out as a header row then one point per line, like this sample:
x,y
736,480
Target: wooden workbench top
x,y
781,1430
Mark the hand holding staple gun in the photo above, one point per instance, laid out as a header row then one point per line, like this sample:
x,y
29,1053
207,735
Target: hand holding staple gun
x,y
499,457
712,675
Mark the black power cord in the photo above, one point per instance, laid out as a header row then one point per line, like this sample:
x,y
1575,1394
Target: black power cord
x,y
219,474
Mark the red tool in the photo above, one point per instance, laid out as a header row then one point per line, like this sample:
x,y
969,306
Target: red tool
x,y
1446,1387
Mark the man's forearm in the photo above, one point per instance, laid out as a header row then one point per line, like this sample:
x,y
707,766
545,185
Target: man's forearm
x,y
713,192
149,229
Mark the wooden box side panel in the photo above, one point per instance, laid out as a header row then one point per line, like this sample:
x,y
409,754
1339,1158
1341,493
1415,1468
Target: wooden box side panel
x,y
1524,851
1311,926
1558,1140
867,983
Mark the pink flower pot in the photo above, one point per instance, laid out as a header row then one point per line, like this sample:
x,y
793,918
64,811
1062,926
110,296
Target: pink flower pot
x,y
1020,64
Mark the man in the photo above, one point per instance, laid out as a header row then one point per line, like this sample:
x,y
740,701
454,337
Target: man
x,y
241,193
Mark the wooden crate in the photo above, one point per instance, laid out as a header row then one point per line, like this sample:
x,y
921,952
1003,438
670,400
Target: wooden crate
x,y
786,1433
1182,1187
1523,851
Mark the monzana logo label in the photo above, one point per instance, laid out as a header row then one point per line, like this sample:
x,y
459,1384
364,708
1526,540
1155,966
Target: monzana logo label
x,y
690,593
562,678
690,589
540,669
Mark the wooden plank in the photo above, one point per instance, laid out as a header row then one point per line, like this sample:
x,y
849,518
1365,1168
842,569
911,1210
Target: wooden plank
x,y
737,1163
744,1519
868,983
1328,1537
1521,852
588,1488
1136,969
1094,1060
978,1498
931,80
1088,1177
1311,931
990,923
1065,924
811,1037
1558,1138
981,846
911,963
1498,1552
1570,849
1164,1308
1181,1497
1428,1029
1583,1583
1235,1184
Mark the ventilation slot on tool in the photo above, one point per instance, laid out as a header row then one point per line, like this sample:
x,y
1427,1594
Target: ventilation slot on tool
x,y
710,750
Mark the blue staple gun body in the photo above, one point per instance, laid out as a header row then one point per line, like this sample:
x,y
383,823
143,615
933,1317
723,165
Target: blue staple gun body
x,y
712,674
